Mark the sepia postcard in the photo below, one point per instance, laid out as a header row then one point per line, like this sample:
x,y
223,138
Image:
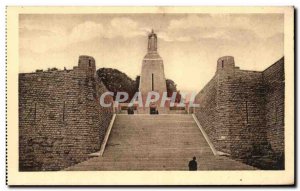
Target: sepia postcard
x,y
150,96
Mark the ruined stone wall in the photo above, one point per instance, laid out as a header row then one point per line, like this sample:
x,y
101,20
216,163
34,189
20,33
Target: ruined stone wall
x,y
60,119
238,110
274,80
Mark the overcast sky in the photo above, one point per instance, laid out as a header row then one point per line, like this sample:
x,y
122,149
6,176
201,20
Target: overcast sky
x,y
189,44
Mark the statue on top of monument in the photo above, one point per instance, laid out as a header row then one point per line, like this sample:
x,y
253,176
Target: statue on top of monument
x,y
152,42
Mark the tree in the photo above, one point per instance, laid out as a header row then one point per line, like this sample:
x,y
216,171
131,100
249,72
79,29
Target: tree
x,y
117,81
172,87
137,83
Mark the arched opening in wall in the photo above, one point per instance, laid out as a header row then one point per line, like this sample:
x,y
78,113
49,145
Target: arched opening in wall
x,y
90,63
153,109
222,63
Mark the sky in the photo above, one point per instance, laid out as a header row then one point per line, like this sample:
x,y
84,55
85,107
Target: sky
x,y
189,44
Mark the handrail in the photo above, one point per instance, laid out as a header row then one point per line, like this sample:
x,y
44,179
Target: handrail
x,y
103,145
215,152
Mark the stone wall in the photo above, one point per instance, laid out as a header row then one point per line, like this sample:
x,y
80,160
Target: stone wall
x,y
60,119
274,80
207,113
237,111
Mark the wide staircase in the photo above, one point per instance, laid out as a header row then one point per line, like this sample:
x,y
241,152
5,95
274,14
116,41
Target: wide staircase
x,y
157,142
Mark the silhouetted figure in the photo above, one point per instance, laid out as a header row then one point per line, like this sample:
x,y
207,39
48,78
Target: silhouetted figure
x,y
193,164
130,111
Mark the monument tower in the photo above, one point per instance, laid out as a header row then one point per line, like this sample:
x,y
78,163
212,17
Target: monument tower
x,y
152,75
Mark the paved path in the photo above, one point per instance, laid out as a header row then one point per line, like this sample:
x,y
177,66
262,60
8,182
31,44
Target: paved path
x,y
157,142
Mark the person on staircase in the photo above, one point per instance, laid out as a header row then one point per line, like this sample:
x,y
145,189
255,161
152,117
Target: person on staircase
x,y
193,164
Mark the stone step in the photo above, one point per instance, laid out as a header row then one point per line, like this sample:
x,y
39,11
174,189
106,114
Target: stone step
x,y
157,142
125,116
156,153
161,164
146,145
